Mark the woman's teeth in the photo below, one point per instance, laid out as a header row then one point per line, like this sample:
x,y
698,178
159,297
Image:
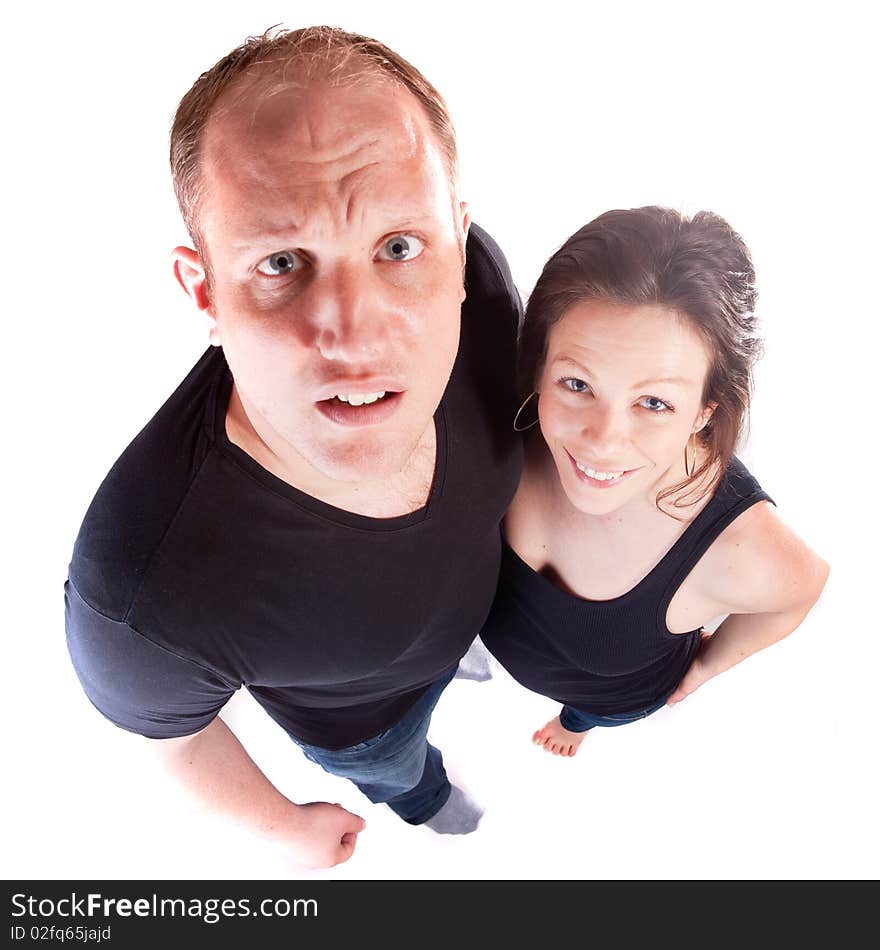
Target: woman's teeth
x,y
599,476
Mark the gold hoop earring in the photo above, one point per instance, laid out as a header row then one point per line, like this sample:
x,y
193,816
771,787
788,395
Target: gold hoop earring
x,y
692,467
519,428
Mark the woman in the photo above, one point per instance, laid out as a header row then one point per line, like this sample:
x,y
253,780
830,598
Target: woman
x,y
634,525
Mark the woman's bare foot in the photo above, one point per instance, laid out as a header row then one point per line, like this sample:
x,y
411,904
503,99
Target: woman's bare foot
x,y
555,738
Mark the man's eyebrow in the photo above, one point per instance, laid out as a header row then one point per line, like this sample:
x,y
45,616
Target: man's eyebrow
x,y
411,221
291,233
266,236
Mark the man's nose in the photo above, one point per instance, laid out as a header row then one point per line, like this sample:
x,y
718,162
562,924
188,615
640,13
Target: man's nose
x,y
351,318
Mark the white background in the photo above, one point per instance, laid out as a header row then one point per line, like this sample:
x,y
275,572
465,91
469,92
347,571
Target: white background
x,y
761,112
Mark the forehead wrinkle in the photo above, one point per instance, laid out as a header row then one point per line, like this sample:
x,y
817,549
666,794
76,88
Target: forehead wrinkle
x,y
322,120
314,166
317,185
257,166
266,161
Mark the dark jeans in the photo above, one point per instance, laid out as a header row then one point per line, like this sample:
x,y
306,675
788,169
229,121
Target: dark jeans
x,y
577,720
399,766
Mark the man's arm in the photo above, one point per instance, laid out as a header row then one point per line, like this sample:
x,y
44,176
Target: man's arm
x,y
174,702
215,768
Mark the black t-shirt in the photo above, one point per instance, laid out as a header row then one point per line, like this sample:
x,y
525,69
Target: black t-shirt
x,y
609,656
196,571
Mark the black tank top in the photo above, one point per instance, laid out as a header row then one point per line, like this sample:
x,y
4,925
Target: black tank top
x,y
608,656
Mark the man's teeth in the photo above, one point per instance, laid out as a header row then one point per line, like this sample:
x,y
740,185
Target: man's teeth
x,y
599,476
359,399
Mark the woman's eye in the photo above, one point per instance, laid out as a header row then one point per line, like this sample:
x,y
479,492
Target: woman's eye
x,y
654,404
276,265
574,384
401,247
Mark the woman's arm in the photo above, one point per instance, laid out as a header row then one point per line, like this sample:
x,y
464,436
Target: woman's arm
x,y
767,579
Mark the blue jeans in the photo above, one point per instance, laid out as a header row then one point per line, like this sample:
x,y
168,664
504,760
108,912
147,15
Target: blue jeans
x,y
577,720
399,766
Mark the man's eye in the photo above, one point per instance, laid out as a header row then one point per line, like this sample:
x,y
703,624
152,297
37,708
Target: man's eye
x,y
654,404
574,384
276,265
401,247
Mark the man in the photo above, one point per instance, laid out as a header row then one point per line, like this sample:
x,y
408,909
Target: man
x,y
314,512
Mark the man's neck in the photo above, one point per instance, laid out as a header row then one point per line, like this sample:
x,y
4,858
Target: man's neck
x,y
400,493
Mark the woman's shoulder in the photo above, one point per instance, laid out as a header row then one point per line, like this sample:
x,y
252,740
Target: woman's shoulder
x,y
759,564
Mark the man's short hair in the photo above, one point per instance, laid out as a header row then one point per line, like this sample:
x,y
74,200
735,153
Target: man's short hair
x,y
279,58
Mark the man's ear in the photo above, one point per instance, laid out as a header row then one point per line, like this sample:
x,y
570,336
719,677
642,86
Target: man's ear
x,y
190,273
464,217
464,223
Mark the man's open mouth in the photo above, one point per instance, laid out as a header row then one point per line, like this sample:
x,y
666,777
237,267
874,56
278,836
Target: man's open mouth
x,y
360,399
360,409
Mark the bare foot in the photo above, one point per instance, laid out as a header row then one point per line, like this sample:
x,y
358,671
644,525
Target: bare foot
x,y
555,738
